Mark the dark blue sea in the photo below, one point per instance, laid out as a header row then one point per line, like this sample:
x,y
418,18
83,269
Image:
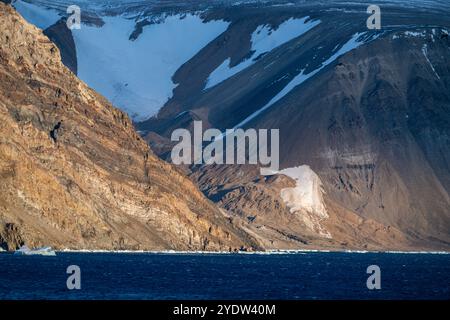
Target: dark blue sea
x,y
314,275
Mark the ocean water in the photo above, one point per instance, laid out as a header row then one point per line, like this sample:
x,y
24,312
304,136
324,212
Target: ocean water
x,y
314,275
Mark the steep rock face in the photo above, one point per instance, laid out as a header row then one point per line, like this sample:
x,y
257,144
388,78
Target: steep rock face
x,y
75,174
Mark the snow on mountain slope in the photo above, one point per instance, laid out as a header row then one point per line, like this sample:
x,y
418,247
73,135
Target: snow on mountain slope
x,y
134,75
307,194
137,75
121,196
306,198
354,42
40,17
425,53
263,40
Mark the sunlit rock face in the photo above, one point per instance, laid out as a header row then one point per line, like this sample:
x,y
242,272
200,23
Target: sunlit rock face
x,y
367,111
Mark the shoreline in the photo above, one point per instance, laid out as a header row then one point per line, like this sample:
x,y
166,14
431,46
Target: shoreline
x,y
269,252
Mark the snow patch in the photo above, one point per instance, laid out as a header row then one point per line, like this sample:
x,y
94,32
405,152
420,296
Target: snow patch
x,y
136,76
306,198
411,34
353,43
264,39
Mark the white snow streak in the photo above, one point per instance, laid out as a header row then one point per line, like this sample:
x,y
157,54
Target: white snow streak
x,y
263,40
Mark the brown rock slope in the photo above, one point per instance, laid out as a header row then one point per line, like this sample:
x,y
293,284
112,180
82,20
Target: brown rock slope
x,y
73,172
373,124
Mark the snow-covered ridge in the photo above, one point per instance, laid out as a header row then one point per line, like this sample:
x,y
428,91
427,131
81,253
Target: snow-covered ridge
x,y
264,39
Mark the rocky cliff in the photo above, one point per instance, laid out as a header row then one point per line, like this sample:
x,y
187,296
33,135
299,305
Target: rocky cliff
x,y
75,174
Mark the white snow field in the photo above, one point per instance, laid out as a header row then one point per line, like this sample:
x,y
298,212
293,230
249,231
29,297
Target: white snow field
x,y
264,39
137,75
40,17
